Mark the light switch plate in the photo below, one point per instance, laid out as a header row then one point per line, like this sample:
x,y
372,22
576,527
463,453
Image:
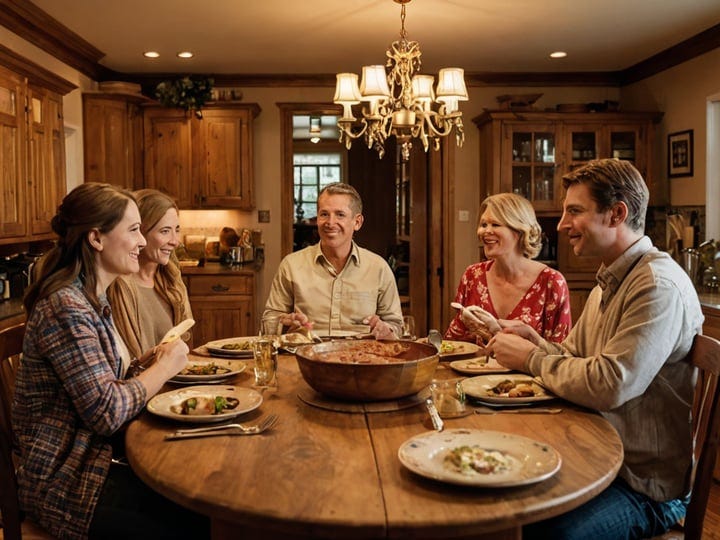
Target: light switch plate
x,y
463,215
263,216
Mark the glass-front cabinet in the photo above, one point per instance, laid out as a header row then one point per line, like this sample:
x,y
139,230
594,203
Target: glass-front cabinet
x,y
532,165
528,152
627,141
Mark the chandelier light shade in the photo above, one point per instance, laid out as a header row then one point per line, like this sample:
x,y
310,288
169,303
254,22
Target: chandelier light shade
x,y
398,101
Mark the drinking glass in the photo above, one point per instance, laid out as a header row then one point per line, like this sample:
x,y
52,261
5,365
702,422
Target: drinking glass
x,y
449,397
408,328
265,353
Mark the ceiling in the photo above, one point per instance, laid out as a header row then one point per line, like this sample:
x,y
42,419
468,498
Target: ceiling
x,y
327,36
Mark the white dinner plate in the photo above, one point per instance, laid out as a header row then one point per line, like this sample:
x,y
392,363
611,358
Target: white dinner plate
x,y
529,461
455,348
478,365
216,347
234,368
249,401
480,388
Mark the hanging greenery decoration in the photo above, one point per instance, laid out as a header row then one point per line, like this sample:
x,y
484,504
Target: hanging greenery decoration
x,y
186,93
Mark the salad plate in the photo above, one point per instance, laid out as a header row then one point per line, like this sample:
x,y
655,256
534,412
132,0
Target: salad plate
x,y
202,372
167,403
237,347
502,389
483,458
451,349
478,365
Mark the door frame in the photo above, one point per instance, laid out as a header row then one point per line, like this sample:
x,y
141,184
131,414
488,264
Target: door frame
x,y
441,171
287,205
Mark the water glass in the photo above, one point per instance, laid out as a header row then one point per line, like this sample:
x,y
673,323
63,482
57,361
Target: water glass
x,y
408,328
449,397
265,354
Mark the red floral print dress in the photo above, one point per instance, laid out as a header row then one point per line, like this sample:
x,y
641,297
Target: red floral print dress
x,y
545,305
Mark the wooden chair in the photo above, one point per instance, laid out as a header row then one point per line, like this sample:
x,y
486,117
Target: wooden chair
x,y
705,355
13,526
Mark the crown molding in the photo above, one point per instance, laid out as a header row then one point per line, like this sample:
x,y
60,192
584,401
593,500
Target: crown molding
x,y
34,73
34,25
686,50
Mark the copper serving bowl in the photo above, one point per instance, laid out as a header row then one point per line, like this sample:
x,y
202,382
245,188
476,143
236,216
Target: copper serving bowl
x,y
367,382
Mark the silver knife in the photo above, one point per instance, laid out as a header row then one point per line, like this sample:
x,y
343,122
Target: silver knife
x,y
434,416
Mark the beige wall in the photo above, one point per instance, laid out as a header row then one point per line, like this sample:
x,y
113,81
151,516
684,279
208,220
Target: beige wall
x,y
681,93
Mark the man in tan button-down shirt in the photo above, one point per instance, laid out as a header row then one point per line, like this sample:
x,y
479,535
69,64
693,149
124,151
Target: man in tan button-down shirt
x,y
336,286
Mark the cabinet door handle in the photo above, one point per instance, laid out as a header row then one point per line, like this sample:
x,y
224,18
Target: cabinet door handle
x,y
220,288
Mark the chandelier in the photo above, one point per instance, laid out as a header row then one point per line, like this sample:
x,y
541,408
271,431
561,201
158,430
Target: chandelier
x,y
401,102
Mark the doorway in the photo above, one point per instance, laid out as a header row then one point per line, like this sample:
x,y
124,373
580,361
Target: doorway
x,y
392,223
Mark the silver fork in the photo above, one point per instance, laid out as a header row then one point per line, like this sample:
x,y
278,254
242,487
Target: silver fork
x,y
225,429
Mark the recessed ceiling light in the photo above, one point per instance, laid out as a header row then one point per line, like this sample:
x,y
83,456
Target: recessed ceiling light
x,y
151,54
558,54
185,54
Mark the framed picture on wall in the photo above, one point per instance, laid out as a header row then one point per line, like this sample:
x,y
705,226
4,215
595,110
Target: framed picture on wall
x,y
680,153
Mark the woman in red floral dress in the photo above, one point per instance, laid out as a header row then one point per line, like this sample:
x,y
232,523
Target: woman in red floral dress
x,y
510,284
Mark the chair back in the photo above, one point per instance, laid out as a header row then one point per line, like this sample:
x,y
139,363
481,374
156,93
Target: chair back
x,y
11,340
705,355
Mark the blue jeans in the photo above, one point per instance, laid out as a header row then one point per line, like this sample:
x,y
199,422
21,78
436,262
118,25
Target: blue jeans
x,y
617,513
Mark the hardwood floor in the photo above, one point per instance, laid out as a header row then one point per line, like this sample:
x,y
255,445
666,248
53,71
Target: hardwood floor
x,y
711,526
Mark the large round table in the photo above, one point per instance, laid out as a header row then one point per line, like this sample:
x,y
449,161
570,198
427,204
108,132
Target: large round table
x,y
320,473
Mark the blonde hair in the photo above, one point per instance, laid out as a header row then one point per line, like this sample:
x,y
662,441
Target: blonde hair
x,y
516,213
153,206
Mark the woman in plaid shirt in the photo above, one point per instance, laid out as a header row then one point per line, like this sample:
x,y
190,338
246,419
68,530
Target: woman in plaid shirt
x,y
71,396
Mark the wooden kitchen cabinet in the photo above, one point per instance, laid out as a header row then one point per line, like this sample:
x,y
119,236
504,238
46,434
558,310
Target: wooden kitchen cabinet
x,y
13,197
113,138
202,162
46,154
223,303
32,152
528,152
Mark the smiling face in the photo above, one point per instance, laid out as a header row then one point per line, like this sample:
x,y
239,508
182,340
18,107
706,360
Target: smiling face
x,y
162,239
497,238
588,229
336,222
118,251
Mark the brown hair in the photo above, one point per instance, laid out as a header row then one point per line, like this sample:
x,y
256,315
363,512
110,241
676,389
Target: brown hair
x,y
611,181
153,205
341,188
89,206
516,212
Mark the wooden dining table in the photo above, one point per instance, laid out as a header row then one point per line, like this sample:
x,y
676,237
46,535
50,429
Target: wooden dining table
x,y
323,473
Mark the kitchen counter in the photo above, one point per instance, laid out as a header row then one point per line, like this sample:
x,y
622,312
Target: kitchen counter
x,y
215,268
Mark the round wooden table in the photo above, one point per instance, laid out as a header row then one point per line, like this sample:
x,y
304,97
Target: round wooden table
x,y
325,474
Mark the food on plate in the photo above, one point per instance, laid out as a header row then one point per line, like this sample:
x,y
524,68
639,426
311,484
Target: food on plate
x,y
204,405
512,389
448,347
237,346
476,460
367,352
204,369
295,338
477,363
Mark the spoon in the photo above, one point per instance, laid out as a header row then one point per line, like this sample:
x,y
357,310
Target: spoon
x,y
434,338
